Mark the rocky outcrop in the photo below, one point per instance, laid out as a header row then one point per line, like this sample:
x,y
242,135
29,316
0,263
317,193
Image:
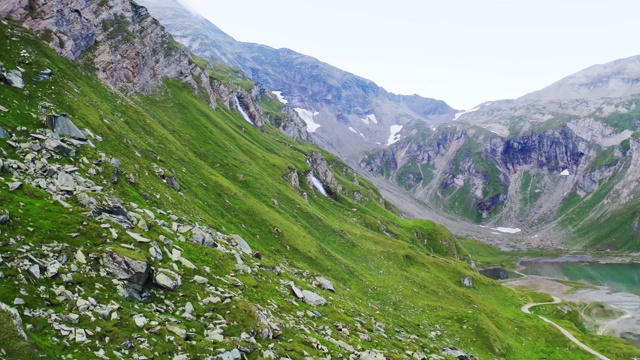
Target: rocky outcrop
x,y
129,50
505,181
101,32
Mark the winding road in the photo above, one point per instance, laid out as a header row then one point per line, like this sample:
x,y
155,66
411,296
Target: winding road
x,y
569,336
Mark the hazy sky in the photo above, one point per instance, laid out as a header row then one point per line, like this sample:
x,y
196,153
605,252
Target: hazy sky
x,y
463,52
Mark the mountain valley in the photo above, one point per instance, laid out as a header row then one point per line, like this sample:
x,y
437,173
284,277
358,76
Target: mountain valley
x,y
165,194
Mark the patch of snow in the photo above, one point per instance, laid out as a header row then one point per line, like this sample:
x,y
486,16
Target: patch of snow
x,y
318,185
507,230
433,128
280,97
457,115
565,172
352,129
373,118
307,116
244,114
394,136
365,121
378,142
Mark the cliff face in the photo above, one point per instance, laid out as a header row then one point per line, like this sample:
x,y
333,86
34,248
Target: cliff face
x,y
131,51
103,32
566,177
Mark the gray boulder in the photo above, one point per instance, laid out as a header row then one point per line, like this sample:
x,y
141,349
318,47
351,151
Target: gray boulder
x,y
467,281
5,218
58,147
324,283
230,355
312,298
135,272
173,182
242,244
4,134
61,125
167,279
14,78
45,74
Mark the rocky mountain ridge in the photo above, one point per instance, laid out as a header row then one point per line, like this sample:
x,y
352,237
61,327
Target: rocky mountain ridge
x,y
131,51
527,165
616,79
344,112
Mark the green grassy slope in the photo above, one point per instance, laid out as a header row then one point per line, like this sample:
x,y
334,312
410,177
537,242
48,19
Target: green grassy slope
x,y
232,177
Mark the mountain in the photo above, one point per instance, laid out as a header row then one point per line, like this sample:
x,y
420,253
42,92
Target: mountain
x,y
559,164
153,207
470,170
344,112
616,79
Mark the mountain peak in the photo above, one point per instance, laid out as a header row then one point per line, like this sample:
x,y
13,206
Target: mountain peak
x,y
615,79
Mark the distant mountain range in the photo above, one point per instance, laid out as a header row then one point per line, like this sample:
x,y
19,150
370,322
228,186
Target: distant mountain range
x,y
346,113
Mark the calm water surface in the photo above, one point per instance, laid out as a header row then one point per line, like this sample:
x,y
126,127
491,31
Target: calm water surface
x,y
618,277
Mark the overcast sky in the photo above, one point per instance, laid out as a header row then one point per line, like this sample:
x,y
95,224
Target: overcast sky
x,y
461,51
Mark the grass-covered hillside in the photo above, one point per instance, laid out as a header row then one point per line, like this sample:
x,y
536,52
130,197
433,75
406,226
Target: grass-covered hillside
x,y
159,263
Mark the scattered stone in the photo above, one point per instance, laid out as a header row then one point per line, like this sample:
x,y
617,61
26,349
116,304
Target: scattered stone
x,y
61,125
52,269
182,333
200,280
230,355
82,305
371,355
15,185
138,237
3,109
155,251
173,182
3,133
66,181
80,258
58,147
455,352
18,301
45,74
257,255
14,78
167,279
81,336
5,218
188,264
242,244
467,281
312,298
34,270
140,321
135,272
324,283
297,292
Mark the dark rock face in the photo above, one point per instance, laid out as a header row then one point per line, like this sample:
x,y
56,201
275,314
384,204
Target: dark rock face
x,y
485,165
499,273
552,151
61,125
